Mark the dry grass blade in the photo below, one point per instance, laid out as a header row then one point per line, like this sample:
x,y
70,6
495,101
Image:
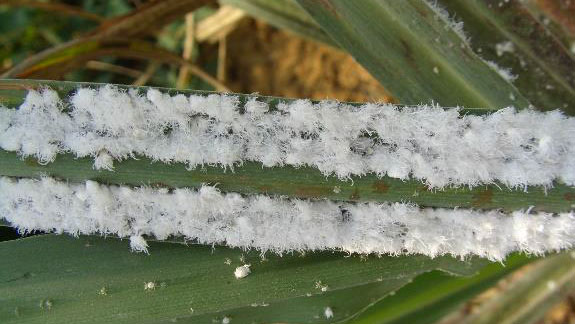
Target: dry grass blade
x,y
147,75
54,63
58,8
222,52
189,40
224,20
107,67
148,18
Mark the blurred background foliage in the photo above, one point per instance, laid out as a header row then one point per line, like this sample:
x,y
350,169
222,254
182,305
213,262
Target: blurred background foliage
x,y
246,55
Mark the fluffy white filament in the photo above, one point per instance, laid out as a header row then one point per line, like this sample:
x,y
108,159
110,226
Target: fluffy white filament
x,y
429,143
277,224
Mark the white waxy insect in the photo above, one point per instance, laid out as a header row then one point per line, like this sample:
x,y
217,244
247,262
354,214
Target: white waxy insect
x,y
319,285
242,271
328,312
150,285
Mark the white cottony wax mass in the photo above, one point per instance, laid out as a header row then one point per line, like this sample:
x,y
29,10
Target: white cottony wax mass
x,y
438,146
277,224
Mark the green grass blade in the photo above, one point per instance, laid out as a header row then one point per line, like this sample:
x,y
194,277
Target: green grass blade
x,y
538,58
413,53
55,279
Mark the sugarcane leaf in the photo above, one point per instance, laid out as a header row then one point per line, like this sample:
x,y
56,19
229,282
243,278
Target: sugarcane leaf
x,y
433,295
252,178
54,279
507,33
527,299
413,52
558,16
284,14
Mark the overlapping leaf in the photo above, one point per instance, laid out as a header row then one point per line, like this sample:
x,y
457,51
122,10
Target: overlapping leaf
x,y
51,279
507,33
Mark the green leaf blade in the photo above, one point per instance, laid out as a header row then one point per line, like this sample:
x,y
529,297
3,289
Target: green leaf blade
x,y
57,278
413,53
511,35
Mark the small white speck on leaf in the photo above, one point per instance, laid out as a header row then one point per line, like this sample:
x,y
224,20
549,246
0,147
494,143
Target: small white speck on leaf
x,y
328,312
504,47
336,189
228,261
435,70
150,285
103,291
226,320
46,304
319,285
242,271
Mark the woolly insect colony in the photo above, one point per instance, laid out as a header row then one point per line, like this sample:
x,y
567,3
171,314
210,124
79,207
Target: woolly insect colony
x,y
438,146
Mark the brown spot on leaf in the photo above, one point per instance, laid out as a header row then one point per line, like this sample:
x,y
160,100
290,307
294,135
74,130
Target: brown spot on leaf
x,y
421,11
482,198
313,191
265,188
570,196
380,186
409,55
355,194
326,4
32,162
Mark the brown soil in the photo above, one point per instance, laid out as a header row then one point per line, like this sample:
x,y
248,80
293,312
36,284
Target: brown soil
x,y
269,61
